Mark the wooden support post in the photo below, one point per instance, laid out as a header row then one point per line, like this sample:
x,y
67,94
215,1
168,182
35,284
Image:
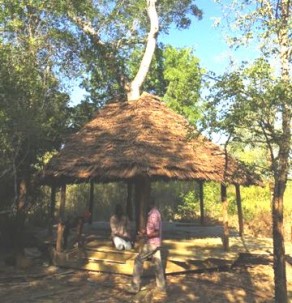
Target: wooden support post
x,y
239,209
129,206
225,217
61,225
59,240
52,209
137,207
63,201
91,199
79,231
201,192
53,203
142,196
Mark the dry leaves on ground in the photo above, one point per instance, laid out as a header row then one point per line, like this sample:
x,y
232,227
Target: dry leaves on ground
x,y
238,285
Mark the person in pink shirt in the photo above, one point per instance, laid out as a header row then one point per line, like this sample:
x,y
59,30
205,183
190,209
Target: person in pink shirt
x,y
151,250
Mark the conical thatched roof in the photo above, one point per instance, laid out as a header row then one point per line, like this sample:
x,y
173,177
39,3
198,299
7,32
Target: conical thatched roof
x,y
144,137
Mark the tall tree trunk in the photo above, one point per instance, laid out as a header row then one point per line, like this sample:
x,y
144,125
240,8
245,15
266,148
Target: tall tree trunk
x,y
281,168
134,87
278,244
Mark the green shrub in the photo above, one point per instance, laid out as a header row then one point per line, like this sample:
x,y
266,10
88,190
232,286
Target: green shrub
x,y
177,200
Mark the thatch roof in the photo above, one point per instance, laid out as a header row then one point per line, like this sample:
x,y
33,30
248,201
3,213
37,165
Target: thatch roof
x,y
142,138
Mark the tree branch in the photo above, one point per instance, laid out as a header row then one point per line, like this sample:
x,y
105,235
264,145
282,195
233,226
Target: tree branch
x,y
135,85
87,28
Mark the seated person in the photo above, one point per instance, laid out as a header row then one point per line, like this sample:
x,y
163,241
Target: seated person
x,y
120,229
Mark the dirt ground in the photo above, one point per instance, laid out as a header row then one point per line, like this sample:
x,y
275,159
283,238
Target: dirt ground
x,y
249,280
42,283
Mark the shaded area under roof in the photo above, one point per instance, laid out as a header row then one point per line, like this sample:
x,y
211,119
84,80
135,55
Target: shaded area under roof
x,y
127,140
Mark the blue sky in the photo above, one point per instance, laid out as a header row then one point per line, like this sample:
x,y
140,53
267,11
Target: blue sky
x,y
208,41
204,38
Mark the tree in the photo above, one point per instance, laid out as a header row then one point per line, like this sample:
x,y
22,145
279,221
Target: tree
x,y
28,86
33,115
160,19
176,76
48,42
64,39
32,106
257,98
133,88
106,34
183,76
94,40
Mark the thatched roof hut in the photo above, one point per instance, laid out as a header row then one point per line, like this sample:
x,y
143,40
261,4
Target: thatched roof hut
x,y
138,142
127,140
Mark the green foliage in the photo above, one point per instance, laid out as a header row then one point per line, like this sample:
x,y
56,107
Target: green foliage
x,y
258,23
212,200
255,200
94,40
169,196
33,114
189,209
77,199
91,39
178,201
176,76
183,77
80,114
188,202
252,103
288,199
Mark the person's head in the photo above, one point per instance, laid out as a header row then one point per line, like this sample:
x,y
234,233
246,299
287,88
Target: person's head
x,y
86,215
119,210
151,203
